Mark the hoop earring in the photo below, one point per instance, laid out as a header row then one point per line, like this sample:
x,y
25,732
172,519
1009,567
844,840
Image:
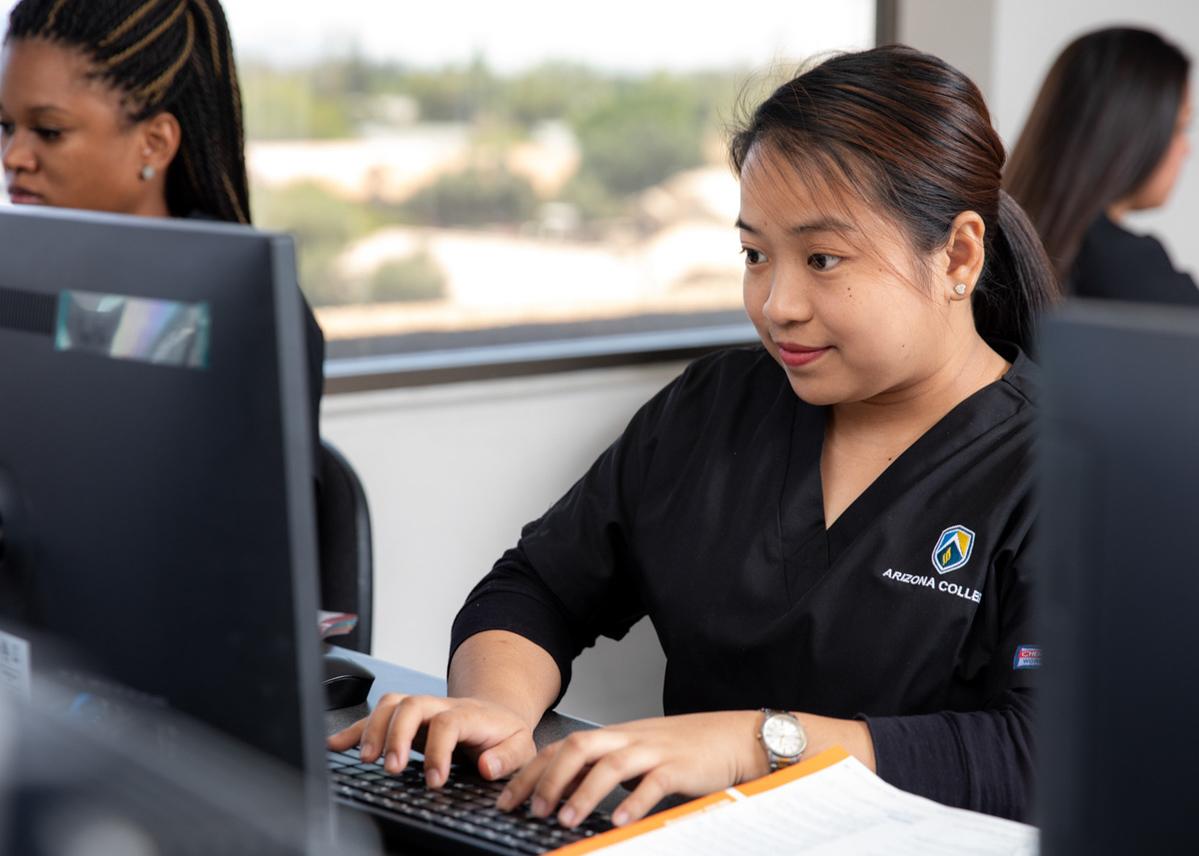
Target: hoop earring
x,y
147,173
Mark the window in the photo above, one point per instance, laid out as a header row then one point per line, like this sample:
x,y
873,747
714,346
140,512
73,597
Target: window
x,y
470,174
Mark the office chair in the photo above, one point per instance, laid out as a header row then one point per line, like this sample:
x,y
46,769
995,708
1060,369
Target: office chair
x,y
346,560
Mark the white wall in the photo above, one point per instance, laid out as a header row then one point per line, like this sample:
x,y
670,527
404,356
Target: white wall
x,y
959,33
452,473
1025,37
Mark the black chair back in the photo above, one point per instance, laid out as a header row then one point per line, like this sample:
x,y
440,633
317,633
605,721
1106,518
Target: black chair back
x,y
347,563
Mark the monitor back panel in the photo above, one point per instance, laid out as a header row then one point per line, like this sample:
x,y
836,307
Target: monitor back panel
x,y
148,509
1120,569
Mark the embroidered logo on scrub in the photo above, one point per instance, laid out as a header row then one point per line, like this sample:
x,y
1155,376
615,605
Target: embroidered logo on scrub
x,y
953,549
1027,657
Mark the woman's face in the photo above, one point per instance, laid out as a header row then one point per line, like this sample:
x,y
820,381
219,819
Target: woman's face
x,y
1160,184
833,290
65,139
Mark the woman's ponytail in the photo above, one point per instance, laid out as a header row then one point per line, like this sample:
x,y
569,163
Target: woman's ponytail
x,y
1018,283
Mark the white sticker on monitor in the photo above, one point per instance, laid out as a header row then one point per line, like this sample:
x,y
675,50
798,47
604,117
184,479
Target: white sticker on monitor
x,y
162,332
14,666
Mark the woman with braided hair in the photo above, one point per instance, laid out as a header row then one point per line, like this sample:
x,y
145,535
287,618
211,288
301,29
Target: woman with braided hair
x,y
131,107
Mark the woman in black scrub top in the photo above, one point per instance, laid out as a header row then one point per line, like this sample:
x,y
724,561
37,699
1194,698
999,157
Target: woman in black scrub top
x,y
131,107
1107,136
832,525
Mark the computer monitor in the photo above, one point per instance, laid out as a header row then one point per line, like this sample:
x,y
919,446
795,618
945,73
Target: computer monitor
x,y
100,772
1120,572
156,485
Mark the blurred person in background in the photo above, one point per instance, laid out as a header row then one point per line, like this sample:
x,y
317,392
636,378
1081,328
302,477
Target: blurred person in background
x,y
1106,137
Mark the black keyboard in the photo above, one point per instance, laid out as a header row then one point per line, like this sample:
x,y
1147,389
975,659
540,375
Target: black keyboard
x,y
463,812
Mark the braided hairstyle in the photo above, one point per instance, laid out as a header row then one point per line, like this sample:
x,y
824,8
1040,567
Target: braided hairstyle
x,y
171,56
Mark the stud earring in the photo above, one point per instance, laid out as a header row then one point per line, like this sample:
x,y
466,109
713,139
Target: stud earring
x,y
959,289
148,172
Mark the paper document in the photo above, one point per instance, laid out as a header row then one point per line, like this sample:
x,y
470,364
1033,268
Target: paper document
x,y
830,804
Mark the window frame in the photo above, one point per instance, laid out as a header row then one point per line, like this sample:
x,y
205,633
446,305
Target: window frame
x,y
559,351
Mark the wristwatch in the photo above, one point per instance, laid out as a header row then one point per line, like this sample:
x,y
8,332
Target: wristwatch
x,y
783,738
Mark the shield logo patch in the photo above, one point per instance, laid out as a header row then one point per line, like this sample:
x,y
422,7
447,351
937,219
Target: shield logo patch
x,y
953,549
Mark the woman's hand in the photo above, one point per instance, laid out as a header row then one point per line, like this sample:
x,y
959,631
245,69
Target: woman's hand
x,y
500,685
496,737
690,755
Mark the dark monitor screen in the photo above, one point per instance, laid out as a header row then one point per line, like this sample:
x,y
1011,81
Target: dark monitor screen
x,y
1120,560
156,487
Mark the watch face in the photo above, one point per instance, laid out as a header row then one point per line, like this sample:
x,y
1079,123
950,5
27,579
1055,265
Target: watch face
x,y
783,736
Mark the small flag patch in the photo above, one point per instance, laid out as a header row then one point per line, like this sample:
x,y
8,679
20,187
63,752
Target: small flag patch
x,y
1027,657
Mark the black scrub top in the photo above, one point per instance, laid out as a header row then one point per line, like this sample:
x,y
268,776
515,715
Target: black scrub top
x,y
911,612
1115,264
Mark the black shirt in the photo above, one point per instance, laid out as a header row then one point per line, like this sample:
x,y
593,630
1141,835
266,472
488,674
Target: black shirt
x,y
314,353
314,357
707,516
1115,264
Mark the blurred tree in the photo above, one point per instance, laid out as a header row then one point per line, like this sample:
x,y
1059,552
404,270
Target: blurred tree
x,y
417,277
647,131
285,105
451,93
475,197
551,91
324,225
591,199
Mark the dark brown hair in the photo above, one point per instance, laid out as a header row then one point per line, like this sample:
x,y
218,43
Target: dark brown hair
x,y
912,135
1100,125
163,55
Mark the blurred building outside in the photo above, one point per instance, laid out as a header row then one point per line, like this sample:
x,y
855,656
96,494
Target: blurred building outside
x,y
671,249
